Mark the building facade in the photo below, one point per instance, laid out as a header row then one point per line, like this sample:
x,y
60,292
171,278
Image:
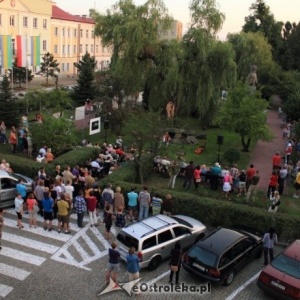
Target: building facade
x,y
66,36
173,33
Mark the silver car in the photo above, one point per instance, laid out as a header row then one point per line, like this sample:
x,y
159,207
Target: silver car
x,y
154,238
8,191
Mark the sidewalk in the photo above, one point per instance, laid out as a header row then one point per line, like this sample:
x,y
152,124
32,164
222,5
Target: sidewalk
x,y
263,151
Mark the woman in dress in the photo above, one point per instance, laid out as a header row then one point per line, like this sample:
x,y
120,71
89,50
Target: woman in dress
x,y
227,181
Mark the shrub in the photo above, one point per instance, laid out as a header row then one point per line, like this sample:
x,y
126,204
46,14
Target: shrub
x,y
232,156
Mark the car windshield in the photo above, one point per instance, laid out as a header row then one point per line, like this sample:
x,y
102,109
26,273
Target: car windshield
x,y
127,240
287,265
203,256
183,222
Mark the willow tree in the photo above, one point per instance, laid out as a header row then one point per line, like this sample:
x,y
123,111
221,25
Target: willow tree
x,y
133,34
208,64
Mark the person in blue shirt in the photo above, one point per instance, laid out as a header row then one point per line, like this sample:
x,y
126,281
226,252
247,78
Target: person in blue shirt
x,y
48,204
132,204
133,267
215,176
21,189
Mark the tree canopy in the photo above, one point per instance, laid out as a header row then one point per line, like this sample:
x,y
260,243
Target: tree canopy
x,y
49,66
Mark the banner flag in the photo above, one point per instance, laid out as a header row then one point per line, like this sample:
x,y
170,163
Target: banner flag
x,y
6,51
21,51
35,51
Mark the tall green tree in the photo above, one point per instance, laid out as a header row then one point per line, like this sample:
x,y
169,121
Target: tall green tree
x,y
9,112
18,74
244,111
85,88
49,66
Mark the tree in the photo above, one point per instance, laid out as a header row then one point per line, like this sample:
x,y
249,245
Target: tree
x,y
144,127
85,88
9,112
291,106
62,129
49,66
244,112
18,74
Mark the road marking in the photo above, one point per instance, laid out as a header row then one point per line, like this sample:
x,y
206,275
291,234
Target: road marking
x,y
5,290
40,231
23,256
13,272
19,240
243,286
149,283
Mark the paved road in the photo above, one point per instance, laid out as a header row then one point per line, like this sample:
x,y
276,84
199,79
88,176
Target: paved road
x,y
35,264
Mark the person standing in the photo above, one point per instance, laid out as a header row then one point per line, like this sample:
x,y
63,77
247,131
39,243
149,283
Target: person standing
x,y
197,176
63,208
48,204
275,202
31,205
133,266
282,179
276,161
108,196
215,176
253,186
297,184
39,195
175,262
132,204
3,132
167,205
273,183
144,200
156,204
21,189
249,175
19,210
227,182
1,225
80,207
269,240
107,219
113,264
119,199
92,207
13,140
288,152
188,176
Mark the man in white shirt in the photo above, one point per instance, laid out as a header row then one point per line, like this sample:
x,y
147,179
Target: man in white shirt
x,y
43,151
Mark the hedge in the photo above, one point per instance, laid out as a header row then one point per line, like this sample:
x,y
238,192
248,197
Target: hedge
x,y
30,167
214,212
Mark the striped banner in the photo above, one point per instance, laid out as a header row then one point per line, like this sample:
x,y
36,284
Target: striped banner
x,y
6,51
35,51
21,51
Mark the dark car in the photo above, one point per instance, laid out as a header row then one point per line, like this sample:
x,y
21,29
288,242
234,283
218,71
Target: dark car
x,y
281,278
221,254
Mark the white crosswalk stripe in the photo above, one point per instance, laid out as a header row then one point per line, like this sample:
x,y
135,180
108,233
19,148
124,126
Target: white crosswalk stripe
x,y
5,290
13,272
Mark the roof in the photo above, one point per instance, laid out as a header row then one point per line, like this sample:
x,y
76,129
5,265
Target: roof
x,y
58,13
219,240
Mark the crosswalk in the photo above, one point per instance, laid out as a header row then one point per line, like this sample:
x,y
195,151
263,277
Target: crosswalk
x,y
28,248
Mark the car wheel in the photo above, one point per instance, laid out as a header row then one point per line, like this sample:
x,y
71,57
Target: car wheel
x,y
199,237
154,263
229,278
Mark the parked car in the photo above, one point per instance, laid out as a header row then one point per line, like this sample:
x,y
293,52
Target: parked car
x,y
153,238
8,191
281,278
221,254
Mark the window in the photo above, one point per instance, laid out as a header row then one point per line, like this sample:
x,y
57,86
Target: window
x,y
13,41
179,231
44,45
63,49
97,49
35,23
103,50
55,49
68,66
44,23
56,31
80,48
7,183
12,20
25,21
92,48
165,236
63,32
92,34
86,48
68,49
74,49
87,34
0,19
75,32
150,242
81,32
68,30
63,67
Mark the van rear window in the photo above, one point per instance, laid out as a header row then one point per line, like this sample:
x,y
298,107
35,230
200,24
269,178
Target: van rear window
x,y
128,240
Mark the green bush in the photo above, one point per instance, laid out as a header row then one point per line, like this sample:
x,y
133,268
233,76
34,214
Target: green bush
x,y
232,156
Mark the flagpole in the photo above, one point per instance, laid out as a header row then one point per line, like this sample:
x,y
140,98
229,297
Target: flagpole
x,y
12,70
26,74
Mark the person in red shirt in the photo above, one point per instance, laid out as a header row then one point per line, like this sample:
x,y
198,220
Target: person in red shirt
x,y
273,183
276,160
197,176
249,175
91,207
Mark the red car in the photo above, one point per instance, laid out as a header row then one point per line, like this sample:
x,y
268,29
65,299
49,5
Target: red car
x,y
281,278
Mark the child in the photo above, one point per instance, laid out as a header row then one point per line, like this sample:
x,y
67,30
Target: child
x,y
242,183
107,221
1,225
275,202
32,206
19,210
120,217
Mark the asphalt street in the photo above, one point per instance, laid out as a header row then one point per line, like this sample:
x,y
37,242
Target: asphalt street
x,y
37,264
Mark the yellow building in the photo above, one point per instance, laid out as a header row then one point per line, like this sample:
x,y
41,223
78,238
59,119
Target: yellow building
x,y
26,18
173,33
